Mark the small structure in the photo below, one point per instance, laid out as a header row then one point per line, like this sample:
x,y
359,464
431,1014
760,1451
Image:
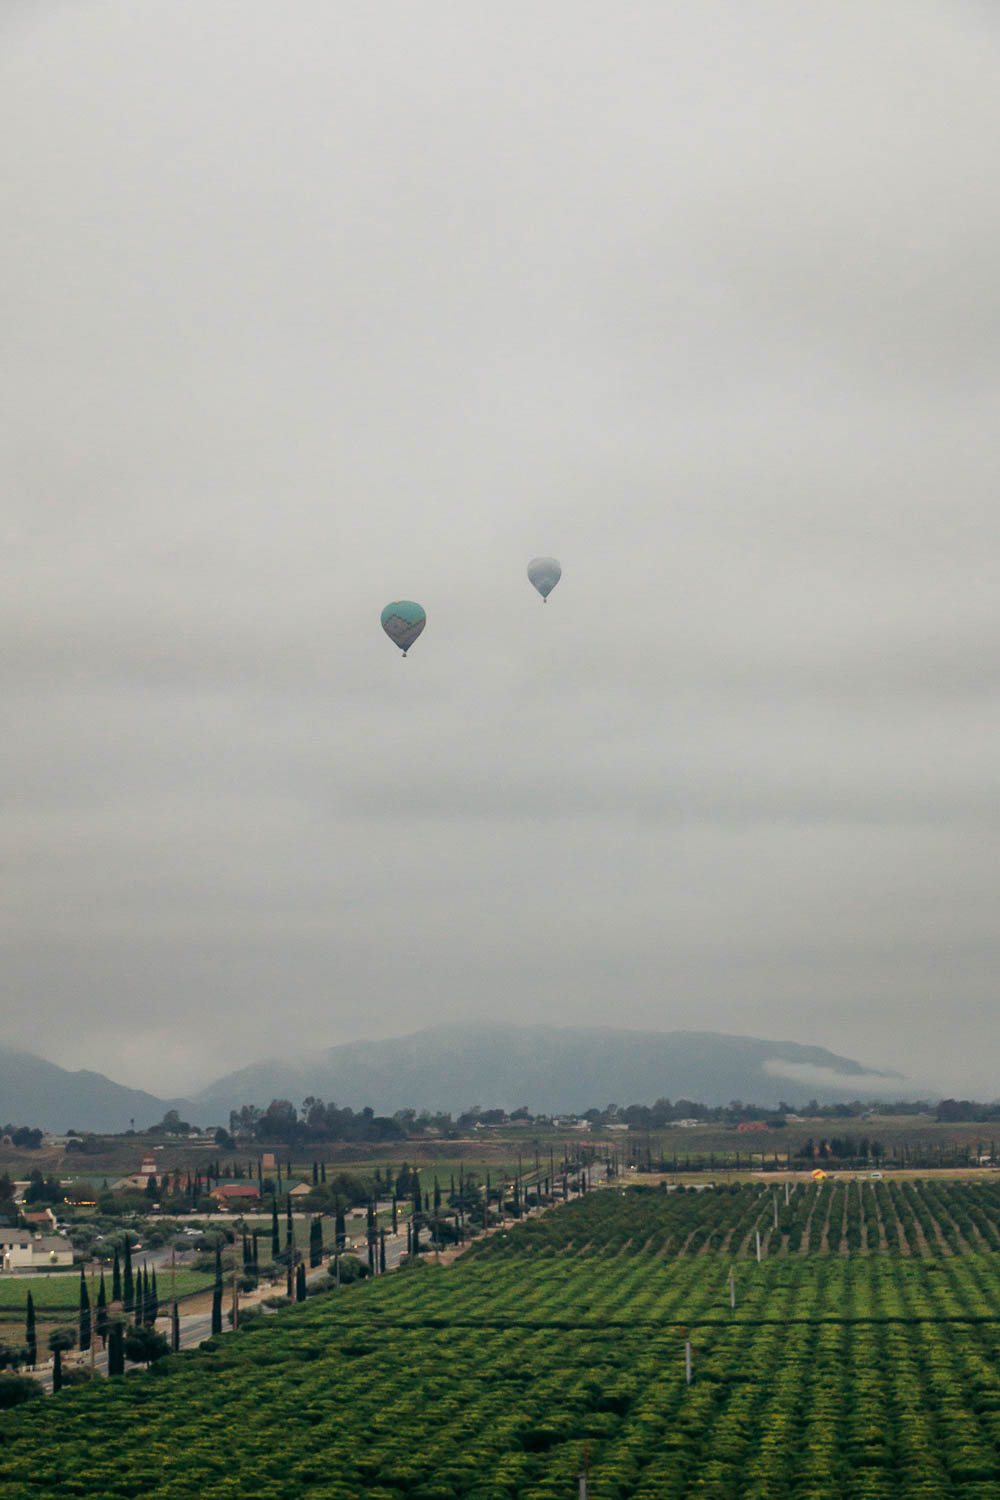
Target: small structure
x,y
300,1190
21,1251
39,1220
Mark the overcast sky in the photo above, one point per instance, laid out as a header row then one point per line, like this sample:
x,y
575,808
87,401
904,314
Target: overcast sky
x,y
308,308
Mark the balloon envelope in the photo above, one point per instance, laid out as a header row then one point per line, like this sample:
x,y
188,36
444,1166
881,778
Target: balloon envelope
x,y
544,573
402,622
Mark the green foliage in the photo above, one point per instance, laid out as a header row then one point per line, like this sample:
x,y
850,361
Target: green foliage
x,y
16,1389
856,1370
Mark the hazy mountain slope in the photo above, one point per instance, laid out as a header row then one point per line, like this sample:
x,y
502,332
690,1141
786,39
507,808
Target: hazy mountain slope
x,y
38,1093
547,1068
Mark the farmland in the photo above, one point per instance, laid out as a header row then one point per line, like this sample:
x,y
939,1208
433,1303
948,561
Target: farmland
x,y
861,1359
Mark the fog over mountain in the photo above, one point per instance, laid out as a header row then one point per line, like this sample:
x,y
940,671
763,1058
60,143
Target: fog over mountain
x,y
552,1070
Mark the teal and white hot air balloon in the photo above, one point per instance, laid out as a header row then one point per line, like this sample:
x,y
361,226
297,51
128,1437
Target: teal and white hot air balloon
x,y
402,622
544,573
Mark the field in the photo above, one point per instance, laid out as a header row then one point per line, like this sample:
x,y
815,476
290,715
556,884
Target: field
x,y
862,1360
62,1293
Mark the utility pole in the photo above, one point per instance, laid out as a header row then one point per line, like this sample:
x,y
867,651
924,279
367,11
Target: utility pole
x,y
584,1475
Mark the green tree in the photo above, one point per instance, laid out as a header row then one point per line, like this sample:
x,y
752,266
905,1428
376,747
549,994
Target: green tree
x,y
128,1281
116,1279
300,1282
102,1313
84,1313
15,1389
275,1241
60,1340
116,1349
144,1344
217,1308
30,1337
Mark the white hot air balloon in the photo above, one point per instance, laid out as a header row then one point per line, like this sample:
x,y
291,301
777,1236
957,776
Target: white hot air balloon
x,y
544,573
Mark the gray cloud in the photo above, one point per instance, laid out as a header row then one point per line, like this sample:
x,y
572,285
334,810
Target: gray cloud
x,y
304,314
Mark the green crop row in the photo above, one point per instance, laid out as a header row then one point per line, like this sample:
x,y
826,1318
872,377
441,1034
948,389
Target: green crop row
x,y
849,1375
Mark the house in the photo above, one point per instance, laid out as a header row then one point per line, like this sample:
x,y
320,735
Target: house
x,y
236,1194
39,1220
300,1190
21,1251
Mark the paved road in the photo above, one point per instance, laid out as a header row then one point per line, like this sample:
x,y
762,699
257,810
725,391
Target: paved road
x,y
195,1328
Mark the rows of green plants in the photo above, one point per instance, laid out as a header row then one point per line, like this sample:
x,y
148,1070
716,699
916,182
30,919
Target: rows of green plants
x,y
849,1375
832,1216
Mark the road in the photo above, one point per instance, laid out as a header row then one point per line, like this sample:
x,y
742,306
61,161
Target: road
x,y
195,1328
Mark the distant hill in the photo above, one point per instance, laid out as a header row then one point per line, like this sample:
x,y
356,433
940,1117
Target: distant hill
x,y
553,1070
37,1093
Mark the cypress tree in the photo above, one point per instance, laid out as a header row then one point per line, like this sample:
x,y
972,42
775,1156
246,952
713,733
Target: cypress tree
x,y
101,1322
275,1242
116,1279
381,1252
84,1313
288,1278
246,1252
289,1230
218,1265
128,1284
30,1338
340,1227
322,1171
254,1250
175,1329
116,1351
315,1171
395,1215
154,1300
217,1308
416,1193
300,1282
437,1195
56,1369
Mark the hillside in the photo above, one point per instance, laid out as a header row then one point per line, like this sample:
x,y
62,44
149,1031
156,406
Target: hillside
x,y
38,1093
549,1069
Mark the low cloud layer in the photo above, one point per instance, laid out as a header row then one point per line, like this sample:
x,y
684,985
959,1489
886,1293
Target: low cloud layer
x,y
309,312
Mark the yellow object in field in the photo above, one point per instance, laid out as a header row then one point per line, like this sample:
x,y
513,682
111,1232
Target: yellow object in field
x,y
818,1174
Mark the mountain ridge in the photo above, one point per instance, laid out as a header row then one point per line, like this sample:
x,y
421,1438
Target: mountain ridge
x,y
550,1069
453,1067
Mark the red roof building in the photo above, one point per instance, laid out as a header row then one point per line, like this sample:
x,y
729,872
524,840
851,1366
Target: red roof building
x,y
236,1192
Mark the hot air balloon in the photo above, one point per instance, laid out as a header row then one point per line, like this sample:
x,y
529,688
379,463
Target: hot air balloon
x,y
544,573
402,622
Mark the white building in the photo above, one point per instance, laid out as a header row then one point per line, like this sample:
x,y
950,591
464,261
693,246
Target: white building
x,y
22,1251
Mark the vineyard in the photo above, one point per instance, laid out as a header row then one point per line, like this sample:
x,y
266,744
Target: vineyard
x,y
861,1359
